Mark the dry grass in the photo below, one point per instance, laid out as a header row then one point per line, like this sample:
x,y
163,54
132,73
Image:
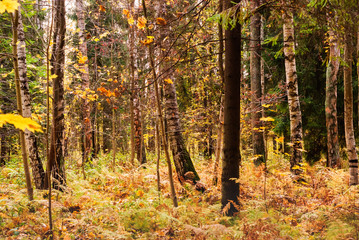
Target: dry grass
x,y
125,205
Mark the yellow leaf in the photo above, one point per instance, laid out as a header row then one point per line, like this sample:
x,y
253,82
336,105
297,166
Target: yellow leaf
x,y
96,39
267,119
9,6
53,76
169,81
139,193
141,22
126,12
82,60
266,105
20,122
130,20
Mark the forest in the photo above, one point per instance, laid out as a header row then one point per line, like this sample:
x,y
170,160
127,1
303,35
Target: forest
x,y
179,119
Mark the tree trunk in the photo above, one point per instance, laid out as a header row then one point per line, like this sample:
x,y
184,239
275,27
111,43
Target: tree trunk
x,y
256,89
56,160
139,144
295,114
30,138
85,77
231,137
348,111
331,101
15,26
181,157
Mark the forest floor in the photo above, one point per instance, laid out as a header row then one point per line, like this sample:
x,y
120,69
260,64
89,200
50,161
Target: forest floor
x,y
125,204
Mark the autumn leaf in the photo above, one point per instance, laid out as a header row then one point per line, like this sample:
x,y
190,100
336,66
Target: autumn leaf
x,y
102,8
141,22
130,20
20,122
267,119
169,81
9,6
147,41
126,13
161,21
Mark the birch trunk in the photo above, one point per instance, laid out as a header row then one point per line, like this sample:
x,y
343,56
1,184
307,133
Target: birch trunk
x,y
295,115
331,101
348,111
15,24
30,138
85,77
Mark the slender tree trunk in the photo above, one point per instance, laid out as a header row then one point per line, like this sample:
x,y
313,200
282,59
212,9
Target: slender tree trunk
x,y
331,101
132,71
180,154
85,77
295,114
181,158
231,152
15,25
221,115
348,111
160,116
56,160
30,138
255,72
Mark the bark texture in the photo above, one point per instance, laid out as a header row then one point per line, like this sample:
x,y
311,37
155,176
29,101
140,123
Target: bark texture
x,y
85,77
38,172
348,111
181,157
331,101
231,152
56,158
256,89
295,115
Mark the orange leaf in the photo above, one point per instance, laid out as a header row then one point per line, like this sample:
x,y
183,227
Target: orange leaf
x,y
161,21
102,8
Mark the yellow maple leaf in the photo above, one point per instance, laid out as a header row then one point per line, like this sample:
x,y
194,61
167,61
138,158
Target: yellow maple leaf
x,y
130,20
169,81
20,122
141,22
9,6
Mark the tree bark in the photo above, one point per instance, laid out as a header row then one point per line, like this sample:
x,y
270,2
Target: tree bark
x,y
295,115
181,157
231,152
15,25
348,111
85,77
256,89
56,160
331,101
30,138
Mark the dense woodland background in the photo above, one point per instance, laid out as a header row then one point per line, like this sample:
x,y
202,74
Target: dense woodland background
x,y
179,119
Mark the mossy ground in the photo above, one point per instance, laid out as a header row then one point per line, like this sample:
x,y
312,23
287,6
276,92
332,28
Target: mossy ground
x,y
125,204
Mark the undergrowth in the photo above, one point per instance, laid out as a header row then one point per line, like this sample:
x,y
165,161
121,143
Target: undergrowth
x,y
125,204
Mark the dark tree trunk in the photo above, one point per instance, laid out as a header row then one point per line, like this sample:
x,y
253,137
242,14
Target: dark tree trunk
x,y
256,89
231,152
56,159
